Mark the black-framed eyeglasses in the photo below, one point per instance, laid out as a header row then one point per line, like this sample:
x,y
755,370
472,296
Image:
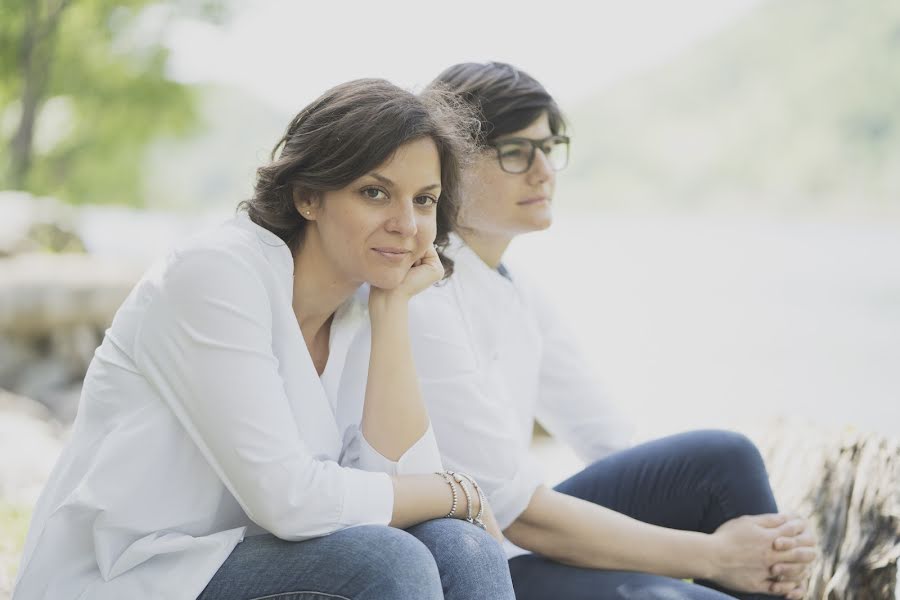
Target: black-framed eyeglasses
x,y
516,155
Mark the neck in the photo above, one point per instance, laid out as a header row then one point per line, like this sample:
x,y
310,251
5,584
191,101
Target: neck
x,y
318,287
488,247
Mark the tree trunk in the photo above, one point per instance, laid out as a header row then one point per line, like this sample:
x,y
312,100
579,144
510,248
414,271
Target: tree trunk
x,y
35,59
848,485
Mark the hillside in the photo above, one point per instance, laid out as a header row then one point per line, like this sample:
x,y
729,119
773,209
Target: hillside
x,y
794,108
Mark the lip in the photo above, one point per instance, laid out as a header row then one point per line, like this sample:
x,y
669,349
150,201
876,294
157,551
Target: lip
x,y
392,253
533,200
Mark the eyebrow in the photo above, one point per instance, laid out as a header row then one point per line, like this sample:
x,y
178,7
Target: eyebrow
x,y
390,183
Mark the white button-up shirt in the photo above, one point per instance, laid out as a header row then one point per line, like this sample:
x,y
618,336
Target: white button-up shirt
x,y
202,420
492,356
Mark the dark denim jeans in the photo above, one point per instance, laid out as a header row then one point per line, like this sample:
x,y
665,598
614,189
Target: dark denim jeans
x,y
691,481
442,558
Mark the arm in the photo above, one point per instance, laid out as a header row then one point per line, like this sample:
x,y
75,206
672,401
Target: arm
x,y
205,345
738,555
395,435
394,417
476,433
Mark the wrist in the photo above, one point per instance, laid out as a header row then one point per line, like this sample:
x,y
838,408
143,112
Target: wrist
x,y
383,303
709,555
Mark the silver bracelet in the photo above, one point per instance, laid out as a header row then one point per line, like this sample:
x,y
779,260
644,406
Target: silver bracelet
x,y
481,499
449,481
465,488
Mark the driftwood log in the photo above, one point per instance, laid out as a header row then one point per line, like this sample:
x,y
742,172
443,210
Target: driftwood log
x,y
848,484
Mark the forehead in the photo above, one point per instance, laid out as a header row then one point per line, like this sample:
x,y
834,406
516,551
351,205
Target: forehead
x,y
417,161
538,129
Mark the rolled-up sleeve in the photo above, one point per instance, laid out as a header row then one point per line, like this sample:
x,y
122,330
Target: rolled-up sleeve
x,y
205,345
420,458
475,433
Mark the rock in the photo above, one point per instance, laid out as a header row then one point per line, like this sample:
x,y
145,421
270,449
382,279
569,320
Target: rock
x,y
30,224
41,293
847,483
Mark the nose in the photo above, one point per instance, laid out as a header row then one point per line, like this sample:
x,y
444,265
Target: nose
x,y
402,219
541,170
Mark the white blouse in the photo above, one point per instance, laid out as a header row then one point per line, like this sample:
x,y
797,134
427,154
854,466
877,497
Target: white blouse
x,y
492,357
202,419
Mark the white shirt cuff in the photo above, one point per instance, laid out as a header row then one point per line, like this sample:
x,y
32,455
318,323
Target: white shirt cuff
x,y
422,457
368,498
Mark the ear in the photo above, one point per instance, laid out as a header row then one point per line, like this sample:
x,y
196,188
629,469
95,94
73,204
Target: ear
x,y
307,203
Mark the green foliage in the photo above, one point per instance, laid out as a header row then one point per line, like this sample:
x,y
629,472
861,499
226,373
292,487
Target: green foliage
x,y
105,93
796,107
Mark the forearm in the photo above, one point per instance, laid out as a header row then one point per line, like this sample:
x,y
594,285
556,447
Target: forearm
x,y
579,533
394,416
419,498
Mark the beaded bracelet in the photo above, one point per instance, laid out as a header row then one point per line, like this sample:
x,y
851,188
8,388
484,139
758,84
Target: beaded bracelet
x,y
449,481
481,499
477,520
465,488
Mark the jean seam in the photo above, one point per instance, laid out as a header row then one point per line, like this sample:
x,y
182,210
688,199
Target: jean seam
x,y
284,594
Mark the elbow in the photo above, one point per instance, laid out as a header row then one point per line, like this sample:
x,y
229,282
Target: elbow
x,y
291,529
298,520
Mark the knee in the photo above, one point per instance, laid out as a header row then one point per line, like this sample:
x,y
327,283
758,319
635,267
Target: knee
x,y
460,547
732,450
399,566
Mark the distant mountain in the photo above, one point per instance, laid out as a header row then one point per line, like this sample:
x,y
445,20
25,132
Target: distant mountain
x,y
794,108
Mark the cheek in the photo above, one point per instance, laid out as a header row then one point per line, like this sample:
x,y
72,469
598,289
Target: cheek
x,y
426,227
347,231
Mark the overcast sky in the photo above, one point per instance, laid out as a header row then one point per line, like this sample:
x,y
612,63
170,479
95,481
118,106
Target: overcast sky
x,y
287,53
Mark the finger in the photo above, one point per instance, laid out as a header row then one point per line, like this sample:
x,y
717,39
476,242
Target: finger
x,y
806,539
791,528
797,555
770,519
782,588
784,543
789,571
799,593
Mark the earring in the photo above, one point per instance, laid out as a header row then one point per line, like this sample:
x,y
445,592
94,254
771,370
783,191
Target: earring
x,y
307,212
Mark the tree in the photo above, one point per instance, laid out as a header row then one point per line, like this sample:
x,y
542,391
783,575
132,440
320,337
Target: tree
x,y
84,83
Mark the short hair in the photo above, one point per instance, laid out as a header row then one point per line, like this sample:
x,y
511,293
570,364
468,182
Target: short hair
x,y
507,99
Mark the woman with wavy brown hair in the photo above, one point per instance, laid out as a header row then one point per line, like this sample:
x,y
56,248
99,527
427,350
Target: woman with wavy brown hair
x,y
229,444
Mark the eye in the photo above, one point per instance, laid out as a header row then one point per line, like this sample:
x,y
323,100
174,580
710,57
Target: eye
x,y
425,200
512,152
373,193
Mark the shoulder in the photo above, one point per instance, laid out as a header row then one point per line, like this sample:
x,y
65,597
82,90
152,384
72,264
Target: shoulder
x,y
225,260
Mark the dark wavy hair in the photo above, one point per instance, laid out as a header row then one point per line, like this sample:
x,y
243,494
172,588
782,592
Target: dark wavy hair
x,y
349,131
507,99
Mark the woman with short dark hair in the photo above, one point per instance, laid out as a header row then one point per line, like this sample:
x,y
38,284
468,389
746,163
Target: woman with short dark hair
x,y
493,356
229,444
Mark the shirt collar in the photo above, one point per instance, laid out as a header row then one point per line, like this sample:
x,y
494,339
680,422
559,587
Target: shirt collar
x,y
459,251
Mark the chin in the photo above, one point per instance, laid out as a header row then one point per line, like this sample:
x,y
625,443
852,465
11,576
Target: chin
x,y
537,224
386,279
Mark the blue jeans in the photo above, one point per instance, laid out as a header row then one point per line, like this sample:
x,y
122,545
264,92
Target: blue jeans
x,y
442,558
692,481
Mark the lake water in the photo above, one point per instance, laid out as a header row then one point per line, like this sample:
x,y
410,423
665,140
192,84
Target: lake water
x,y
721,321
